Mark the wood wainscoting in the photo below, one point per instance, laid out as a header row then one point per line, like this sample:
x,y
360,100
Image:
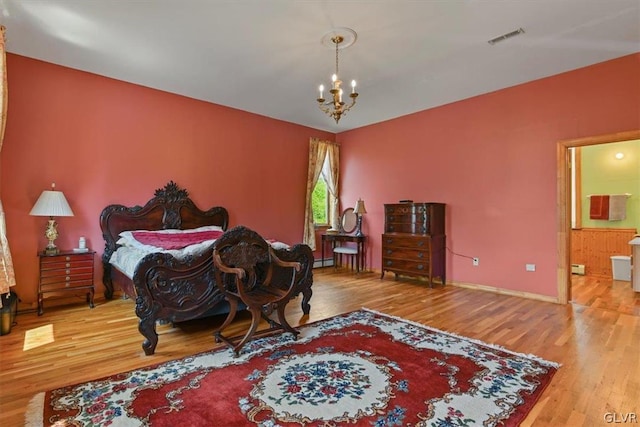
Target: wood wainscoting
x,y
594,248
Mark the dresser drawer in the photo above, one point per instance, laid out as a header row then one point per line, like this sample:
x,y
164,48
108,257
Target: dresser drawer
x,y
406,253
408,266
405,209
413,228
405,241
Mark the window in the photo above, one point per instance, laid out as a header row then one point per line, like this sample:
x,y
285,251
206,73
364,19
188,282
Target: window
x,y
320,203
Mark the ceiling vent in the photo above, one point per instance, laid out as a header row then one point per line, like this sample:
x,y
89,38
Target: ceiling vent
x,y
506,36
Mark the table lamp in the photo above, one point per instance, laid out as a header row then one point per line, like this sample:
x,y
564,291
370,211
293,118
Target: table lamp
x,y
359,210
51,203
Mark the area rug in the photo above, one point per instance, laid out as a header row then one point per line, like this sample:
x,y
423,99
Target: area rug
x,y
360,368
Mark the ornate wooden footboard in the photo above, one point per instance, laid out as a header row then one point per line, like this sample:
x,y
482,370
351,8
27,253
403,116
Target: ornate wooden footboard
x,y
169,289
172,290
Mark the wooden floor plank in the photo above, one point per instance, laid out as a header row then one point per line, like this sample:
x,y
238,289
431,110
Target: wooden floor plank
x,y
596,339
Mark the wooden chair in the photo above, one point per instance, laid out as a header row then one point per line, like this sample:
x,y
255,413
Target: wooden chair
x,y
244,267
348,221
349,251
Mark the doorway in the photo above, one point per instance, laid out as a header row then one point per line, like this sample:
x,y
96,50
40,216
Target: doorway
x,y
563,219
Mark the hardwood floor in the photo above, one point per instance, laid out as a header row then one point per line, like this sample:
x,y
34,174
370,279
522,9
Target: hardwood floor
x,y
596,339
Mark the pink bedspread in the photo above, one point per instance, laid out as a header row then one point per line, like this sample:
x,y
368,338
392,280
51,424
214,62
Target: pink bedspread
x,y
169,241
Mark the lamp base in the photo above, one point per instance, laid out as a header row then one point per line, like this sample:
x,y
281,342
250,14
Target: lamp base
x,y
51,233
51,251
359,226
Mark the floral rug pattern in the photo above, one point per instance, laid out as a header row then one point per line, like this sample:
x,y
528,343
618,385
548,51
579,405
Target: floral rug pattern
x,y
360,368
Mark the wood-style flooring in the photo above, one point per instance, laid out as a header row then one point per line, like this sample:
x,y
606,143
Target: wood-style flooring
x,y
596,339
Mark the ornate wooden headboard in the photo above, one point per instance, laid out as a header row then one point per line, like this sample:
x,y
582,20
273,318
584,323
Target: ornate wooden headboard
x,y
171,207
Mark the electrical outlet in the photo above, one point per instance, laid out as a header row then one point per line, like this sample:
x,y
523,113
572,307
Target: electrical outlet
x,y
476,262
530,267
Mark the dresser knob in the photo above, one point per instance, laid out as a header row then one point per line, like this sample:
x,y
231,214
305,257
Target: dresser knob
x,y
67,278
68,258
421,243
389,241
389,262
420,255
67,265
67,271
389,251
421,267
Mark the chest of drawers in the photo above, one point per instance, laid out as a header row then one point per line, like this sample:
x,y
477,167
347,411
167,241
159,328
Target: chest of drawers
x,y
66,272
414,243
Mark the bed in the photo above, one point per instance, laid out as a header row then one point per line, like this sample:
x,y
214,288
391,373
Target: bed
x,y
175,285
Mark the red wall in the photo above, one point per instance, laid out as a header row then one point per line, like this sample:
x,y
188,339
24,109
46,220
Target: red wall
x,y
104,141
492,160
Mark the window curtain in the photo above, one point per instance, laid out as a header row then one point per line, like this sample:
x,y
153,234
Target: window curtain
x,y
318,150
7,276
330,173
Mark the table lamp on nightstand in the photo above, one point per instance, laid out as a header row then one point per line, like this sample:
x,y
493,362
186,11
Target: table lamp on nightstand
x,y
51,203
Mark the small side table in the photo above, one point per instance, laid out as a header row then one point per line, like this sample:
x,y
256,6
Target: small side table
x,y
65,271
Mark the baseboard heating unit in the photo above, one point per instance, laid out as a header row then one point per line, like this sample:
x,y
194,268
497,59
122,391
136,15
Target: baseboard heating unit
x,y
577,269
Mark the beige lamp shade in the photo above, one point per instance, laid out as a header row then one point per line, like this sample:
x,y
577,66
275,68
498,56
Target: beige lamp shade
x,y
360,209
51,203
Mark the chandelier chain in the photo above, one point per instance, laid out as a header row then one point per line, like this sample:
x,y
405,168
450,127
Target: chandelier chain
x,y
337,41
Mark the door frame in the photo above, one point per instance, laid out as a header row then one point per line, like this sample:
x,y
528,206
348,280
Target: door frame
x,y
563,219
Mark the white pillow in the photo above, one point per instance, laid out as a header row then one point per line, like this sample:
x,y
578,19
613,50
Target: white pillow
x,y
278,245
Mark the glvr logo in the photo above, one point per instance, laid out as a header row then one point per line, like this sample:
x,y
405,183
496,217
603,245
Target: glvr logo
x,y
621,417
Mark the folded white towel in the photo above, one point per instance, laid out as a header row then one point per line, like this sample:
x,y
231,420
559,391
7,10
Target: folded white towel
x,y
617,207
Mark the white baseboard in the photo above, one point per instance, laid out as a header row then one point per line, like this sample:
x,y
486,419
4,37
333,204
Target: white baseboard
x,y
510,292
328,262
495,290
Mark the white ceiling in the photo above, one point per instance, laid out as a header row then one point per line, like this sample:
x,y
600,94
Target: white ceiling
x,y
265,56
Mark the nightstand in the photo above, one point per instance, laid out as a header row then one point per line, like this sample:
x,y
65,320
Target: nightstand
x,y
65,271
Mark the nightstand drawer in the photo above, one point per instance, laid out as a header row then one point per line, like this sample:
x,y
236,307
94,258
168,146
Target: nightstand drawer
x,y
52,262
76,275
71,284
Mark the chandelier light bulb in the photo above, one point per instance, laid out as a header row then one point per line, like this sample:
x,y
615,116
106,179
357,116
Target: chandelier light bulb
x,y
321,91
353,86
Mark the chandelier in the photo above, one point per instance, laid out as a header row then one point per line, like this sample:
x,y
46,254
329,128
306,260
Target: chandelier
x,y
335,106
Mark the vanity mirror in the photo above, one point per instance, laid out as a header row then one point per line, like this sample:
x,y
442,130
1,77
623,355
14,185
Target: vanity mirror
x,y
348,221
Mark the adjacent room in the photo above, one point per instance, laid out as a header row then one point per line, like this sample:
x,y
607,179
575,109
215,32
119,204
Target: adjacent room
x,y
301,212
